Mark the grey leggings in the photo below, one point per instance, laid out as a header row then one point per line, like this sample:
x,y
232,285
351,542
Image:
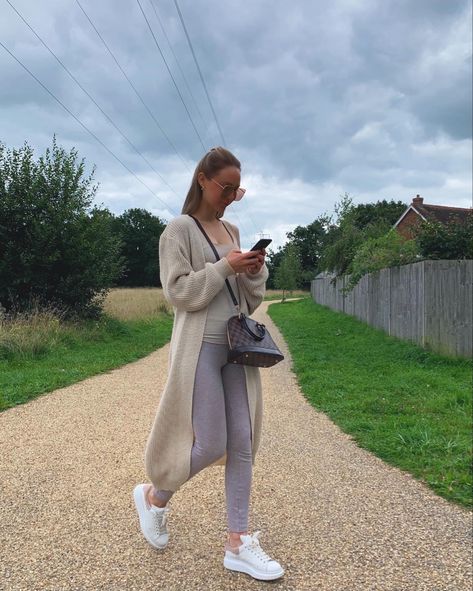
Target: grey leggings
x,y
221,420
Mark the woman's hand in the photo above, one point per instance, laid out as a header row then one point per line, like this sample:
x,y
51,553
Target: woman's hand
x,y
248,262
242,262
256,268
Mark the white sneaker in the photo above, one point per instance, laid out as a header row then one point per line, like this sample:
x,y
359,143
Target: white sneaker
x,y
152,519
252,560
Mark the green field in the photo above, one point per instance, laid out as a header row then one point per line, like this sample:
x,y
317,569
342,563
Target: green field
x,y
409,406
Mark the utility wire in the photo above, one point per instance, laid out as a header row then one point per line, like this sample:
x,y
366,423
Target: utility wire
x,y
170,73
133,87
199,70
86,128
153,4
91,98
111,53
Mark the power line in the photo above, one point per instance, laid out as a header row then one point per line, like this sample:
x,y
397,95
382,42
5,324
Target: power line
x,y
85,127
153,4
172,77
199,70
181,18
91,97
93,100
133,86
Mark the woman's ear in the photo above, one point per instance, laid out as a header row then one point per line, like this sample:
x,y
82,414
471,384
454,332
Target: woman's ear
x,y
200,178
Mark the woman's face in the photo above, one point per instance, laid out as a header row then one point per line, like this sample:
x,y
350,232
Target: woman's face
x,y
213,192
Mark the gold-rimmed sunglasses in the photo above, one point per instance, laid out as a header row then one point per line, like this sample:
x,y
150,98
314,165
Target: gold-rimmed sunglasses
x,y
228,190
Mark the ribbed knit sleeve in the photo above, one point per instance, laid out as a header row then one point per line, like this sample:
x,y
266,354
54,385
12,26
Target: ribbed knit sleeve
x,y
182,286
253,287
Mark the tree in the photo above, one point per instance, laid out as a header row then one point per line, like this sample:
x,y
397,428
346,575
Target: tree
x,y
453,240
288,273
378,253
308,240
140,231
273,260
56,249
355,225
372,215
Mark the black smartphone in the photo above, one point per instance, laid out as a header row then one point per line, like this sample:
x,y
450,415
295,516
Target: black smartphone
x,y
262,243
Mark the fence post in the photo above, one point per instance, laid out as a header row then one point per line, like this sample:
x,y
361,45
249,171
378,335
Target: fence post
x,y
423,303
389,301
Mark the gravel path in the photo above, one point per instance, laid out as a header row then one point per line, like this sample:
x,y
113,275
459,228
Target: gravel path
x,y
335,516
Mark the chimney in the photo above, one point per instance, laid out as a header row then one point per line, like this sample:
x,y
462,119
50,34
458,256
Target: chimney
x,y
417,200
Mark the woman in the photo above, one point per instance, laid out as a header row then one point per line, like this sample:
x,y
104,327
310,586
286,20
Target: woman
x,y
210,412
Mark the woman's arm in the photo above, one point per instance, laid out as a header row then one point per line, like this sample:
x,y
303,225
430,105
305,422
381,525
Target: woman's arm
x,y
253,286
182,286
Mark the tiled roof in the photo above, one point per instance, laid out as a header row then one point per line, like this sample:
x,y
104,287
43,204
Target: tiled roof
x,y
436,213
443,213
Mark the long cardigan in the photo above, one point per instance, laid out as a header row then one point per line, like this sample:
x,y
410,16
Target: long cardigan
x,y
189,284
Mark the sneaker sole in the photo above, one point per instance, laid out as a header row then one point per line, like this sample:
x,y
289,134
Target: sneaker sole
x,y
141,508
237,565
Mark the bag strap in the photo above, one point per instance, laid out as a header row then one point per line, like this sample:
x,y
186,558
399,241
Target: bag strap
x,y
235,302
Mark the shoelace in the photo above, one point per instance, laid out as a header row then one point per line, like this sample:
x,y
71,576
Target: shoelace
x,y
161,520
254,546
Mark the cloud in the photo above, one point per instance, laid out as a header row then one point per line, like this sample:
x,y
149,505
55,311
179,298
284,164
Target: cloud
x,y
316,99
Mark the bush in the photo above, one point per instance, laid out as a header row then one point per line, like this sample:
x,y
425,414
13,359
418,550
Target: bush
x,y
385,251
450,241
56,249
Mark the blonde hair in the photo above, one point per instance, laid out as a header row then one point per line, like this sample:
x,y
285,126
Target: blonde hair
x,y
210,165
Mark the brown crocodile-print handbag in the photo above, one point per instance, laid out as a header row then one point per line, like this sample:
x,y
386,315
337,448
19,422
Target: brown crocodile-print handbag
x,y
249,341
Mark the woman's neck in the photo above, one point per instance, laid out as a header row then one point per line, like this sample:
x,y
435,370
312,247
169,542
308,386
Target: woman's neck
x,y
206,213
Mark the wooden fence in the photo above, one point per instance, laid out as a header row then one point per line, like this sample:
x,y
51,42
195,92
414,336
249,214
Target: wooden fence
x,y
429,302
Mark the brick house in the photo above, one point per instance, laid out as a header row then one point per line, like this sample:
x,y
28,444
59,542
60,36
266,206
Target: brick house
x,y
418,212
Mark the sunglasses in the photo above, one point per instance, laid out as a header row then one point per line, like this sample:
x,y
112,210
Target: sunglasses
x,y
229,190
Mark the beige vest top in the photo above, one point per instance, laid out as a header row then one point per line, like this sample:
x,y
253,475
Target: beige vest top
x,y
221,307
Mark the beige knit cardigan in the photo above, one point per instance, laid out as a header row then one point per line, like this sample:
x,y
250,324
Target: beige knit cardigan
x,y
189,284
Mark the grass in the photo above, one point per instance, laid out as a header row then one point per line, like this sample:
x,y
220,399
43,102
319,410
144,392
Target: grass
x,y
276,294
409,406
132,303
135,302
39,352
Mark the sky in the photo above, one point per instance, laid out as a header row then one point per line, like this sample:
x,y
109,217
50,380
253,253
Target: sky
x,y
316,98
